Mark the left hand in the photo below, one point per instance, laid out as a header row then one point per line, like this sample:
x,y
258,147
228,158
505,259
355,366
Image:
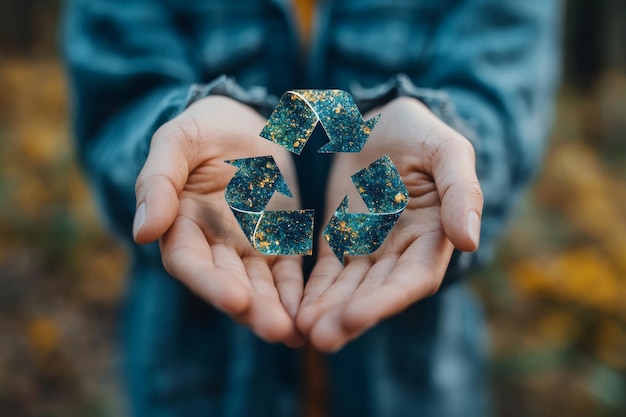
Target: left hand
x,y
181,202
437,166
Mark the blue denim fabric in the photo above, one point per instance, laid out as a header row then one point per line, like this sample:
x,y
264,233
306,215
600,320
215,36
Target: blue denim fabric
x,y
486,67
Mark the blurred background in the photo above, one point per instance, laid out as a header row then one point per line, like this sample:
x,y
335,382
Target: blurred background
x,y
555,297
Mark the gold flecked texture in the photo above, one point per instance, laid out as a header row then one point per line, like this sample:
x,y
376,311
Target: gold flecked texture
x,y
287,232
298,112
254,183
385,196
291,232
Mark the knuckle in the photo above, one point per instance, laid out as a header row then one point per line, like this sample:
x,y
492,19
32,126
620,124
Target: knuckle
x,y
407,101
140,183
462,145
432,287
461,140
169,259
183,130
162,182
476,193
186,131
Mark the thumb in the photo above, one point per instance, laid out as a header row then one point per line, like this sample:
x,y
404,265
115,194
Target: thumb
x,y
161,181
459,190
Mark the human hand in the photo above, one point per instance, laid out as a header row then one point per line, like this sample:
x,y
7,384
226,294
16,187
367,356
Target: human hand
x,y
437,166
180,201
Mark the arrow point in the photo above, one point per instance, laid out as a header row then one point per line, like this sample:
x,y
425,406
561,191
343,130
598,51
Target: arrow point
x,y
281,186
234,162
381,187
336,245
343,206
291,123
370,123
254,183
353,145
350,141
335,232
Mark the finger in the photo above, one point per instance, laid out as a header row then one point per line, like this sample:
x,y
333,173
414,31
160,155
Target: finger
x,y
268,320
289,282
335,286
327,269
162,179
187,256
327,335
454,173
267,317
416,275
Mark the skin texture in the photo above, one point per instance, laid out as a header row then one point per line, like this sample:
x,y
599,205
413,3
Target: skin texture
x,y
180,201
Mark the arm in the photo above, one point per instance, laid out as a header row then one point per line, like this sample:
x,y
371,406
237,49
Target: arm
x,y
154,151
492,63
128,74
498,62
490,71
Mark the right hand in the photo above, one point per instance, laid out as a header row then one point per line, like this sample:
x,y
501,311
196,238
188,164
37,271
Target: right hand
x,y
341,301
180,201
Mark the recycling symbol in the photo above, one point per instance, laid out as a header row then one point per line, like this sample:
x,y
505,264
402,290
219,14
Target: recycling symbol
x,y
290,232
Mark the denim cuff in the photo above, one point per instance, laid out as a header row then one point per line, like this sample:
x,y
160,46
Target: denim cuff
x,y
440,103
256,97
400,85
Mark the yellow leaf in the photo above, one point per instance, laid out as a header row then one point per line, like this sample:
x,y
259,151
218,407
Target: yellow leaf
x,y
43,335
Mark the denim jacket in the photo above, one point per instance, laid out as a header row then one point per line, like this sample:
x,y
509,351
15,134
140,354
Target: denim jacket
x,y
487,67
134,64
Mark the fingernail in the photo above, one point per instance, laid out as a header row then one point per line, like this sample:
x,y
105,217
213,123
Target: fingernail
x,y
140,219
473,227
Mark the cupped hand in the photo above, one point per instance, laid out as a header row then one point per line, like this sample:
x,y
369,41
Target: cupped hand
x,y
437,166
180,201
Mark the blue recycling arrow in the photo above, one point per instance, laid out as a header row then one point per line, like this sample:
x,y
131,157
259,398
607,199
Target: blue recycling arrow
x,y
254,183
291,232
283,232
298,112
384,194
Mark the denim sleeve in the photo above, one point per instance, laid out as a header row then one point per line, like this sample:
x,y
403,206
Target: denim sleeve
x,y
498,61
129,72
492,73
